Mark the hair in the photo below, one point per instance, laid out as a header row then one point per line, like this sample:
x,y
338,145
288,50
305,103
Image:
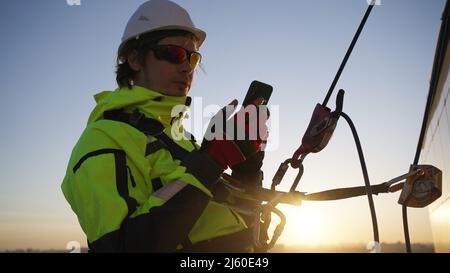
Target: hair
x,y
124,73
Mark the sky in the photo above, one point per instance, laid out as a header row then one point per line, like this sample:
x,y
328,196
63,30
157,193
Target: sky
x,y
56,56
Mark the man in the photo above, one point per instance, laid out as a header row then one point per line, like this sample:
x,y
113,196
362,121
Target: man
x,y
133,186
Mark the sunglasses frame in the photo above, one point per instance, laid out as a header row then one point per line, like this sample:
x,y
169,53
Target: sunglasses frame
x,y
160,56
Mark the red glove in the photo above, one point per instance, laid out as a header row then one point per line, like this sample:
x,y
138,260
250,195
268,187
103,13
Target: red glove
x,y
250,132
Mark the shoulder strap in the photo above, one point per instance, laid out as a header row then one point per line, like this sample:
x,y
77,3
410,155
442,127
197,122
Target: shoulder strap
x,y
150,127
136,119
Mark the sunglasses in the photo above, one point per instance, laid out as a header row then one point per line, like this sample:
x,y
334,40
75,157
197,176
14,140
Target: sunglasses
x,y
176,54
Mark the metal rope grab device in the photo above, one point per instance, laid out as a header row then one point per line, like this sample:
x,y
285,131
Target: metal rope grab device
x,y
422,185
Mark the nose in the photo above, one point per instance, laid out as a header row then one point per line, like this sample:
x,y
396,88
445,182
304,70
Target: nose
x,y
186,67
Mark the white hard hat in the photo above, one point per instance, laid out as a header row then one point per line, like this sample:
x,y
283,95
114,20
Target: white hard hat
x,y
160,15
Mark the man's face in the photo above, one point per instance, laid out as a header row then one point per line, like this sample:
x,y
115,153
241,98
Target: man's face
x,y
165,77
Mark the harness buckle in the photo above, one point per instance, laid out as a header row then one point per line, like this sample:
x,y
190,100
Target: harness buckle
x,y
135,117
146,125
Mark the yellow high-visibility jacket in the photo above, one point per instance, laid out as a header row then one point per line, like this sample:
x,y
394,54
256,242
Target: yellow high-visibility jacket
x,y
128,198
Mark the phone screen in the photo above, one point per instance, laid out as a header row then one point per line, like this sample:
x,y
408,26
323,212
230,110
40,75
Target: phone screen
x,y
256,90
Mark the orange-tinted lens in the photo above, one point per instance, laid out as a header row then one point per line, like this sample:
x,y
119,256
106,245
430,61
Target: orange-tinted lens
x,y
174,54
194,59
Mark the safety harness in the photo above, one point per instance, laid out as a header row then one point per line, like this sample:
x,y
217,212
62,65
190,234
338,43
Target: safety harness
x,y
154,129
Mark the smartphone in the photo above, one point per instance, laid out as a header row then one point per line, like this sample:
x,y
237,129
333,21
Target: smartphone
x,y
256,90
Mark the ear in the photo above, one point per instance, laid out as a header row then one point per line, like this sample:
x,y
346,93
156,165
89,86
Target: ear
x,y
133,61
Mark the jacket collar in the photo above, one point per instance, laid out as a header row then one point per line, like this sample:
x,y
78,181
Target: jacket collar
x,y
166,109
